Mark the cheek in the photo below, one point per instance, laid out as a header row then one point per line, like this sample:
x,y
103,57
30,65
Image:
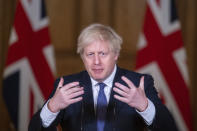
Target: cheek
x,y
87,63
111,61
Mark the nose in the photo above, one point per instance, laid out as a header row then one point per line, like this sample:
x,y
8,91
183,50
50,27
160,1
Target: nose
x,y
97,59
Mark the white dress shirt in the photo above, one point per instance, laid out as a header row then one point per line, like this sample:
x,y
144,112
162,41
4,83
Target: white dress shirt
x,y
148,115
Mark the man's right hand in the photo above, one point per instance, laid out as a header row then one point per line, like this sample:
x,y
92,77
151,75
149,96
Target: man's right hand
x,y
65,95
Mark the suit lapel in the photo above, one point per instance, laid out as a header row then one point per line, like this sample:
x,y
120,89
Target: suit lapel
x,y
89,117
118,104
114,105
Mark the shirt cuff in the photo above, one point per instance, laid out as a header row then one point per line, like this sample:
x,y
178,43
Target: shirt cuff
x,y
149,114
47,116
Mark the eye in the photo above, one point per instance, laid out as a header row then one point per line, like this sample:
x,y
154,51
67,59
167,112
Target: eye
x,y
102,53
90,54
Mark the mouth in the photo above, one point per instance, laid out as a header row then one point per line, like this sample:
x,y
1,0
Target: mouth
x,y
97,71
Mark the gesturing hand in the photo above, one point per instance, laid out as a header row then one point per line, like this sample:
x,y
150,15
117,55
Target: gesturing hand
x,y
65,95
133,96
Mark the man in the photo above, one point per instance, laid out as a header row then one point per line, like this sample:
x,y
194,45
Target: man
x,y
104,97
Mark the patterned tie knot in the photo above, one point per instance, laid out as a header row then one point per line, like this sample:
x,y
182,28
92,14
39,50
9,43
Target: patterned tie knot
x,y
102,86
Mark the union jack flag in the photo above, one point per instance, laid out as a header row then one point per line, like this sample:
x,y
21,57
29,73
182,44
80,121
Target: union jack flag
x,y
30,66
161,53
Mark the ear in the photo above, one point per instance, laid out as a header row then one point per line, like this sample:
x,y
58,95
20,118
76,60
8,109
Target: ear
x,y
116,56
81,55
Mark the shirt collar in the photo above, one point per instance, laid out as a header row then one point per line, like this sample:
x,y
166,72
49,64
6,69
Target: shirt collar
x,y
108,81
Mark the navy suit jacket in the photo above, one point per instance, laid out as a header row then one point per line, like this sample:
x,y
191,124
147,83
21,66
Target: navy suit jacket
x,y
120,117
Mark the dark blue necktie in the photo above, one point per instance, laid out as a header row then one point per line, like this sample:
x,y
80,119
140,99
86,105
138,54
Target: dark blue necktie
x,y
101,108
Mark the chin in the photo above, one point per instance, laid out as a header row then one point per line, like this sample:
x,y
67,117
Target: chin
x,y
98,78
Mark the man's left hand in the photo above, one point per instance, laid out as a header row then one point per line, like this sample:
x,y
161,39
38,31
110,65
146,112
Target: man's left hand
x,y
132,95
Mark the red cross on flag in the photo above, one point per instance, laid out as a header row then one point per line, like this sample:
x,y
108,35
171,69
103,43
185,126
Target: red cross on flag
x,y
30,65
161,54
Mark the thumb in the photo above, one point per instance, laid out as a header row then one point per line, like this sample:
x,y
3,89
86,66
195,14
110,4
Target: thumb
x,y
142,83
61,82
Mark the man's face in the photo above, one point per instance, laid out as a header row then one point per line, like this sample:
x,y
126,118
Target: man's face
x,y
99,60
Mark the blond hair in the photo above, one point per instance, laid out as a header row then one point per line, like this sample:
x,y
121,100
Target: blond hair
x,y
99,32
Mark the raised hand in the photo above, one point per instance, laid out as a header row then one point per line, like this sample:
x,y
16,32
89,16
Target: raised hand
x,y
133,96
65,95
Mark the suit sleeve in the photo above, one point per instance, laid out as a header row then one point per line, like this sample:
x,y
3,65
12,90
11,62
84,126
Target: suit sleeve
x,y
163,120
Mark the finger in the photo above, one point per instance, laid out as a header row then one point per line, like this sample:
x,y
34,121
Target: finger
x,y
142,83
121,98
128,82
74,89
61,82
75,100
76,94
70,85
122,87
120,92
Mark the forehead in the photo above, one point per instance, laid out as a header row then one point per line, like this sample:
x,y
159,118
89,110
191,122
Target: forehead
x,y
98,46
